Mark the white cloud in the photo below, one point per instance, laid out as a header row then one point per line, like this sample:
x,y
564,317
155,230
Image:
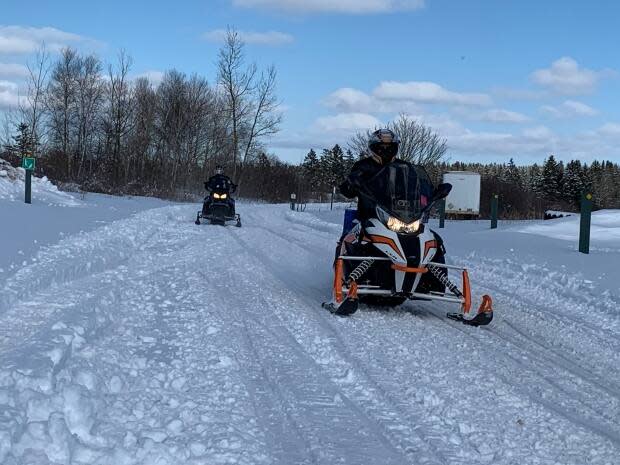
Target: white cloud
x,y
334,6
567,77
500,115
249,37
610,130
494,115
569,109
9,95
519,94
13,70
427,92
155,77
346,122
399,97
18,40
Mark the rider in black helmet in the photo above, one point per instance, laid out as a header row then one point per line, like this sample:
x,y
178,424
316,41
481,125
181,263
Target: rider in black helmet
x,y
219,181
383,147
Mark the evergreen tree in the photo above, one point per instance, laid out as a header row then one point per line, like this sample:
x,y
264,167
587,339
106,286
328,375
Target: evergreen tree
x,y
551,179
24,142
311,168
512,176
573,185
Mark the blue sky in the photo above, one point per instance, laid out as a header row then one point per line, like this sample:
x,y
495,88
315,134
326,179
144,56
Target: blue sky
x,y
498,79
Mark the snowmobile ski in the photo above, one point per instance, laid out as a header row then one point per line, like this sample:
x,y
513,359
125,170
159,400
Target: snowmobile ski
x,y
347,307
482,318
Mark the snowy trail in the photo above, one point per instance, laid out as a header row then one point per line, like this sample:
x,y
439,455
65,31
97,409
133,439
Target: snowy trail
x,y
151,340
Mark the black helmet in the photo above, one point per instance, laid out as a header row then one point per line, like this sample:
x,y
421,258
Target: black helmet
x,y
384,144
219,169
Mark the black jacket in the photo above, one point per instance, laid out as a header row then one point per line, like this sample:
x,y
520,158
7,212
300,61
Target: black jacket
x,y
220,182
361,172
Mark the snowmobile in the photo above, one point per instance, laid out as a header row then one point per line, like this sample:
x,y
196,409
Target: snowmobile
x,y
393,256
219,208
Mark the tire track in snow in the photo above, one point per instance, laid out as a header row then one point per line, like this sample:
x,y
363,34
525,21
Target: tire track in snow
x,y
380,403
597,429
600,430
354,433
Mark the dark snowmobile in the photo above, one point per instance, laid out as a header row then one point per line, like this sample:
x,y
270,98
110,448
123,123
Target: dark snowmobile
x,y
393,256
219,208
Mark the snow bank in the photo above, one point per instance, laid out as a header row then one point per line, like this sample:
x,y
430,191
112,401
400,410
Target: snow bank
x,y
12,188
605,228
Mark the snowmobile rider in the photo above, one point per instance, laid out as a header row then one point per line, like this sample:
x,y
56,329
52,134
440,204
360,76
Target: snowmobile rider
x,y
219,181
383,147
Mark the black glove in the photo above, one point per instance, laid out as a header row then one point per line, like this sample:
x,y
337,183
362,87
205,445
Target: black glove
x,y
349,188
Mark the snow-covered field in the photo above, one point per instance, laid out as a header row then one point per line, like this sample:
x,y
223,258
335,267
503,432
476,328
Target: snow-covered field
x,y
149,340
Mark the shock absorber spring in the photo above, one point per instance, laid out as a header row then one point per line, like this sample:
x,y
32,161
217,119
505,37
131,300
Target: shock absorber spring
x,y
443,279
359,271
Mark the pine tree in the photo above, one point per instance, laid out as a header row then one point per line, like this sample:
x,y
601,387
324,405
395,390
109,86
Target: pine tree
x,y
311,167
512,175
551,179
573,185
24,142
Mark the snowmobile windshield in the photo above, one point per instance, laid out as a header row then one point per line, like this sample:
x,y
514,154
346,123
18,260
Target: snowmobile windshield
x,y
402,190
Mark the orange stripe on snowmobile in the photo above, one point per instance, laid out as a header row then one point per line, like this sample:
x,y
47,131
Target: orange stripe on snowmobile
x,y
428,246
487,304
338,280
466,293
352,294
387,241
406,269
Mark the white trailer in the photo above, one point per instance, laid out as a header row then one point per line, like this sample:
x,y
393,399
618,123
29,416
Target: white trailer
x,y
464,199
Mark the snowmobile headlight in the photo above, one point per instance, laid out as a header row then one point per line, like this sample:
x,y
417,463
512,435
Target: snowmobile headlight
x,y
396,225
400,227
223,196
219,196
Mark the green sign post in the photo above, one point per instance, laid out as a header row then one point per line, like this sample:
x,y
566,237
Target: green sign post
x,y
442,213
494,208
586,219
28,164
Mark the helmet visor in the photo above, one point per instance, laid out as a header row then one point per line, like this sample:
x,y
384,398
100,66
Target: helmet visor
x,y
386,151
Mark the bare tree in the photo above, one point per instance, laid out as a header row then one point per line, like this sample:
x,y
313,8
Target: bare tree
x,y
89,101
60,102
117,120
32,111
419,144
358,144
249,101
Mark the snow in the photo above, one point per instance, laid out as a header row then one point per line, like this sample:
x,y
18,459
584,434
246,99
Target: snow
x,y
605,229
12,188
145,339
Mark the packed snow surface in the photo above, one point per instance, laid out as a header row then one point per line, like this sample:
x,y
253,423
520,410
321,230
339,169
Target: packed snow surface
x,y
12,187
149,340
605,228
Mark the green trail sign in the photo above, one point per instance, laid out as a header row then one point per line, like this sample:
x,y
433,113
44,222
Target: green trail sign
x,y
28,163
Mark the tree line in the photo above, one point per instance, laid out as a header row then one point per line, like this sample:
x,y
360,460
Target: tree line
x,y
97,126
